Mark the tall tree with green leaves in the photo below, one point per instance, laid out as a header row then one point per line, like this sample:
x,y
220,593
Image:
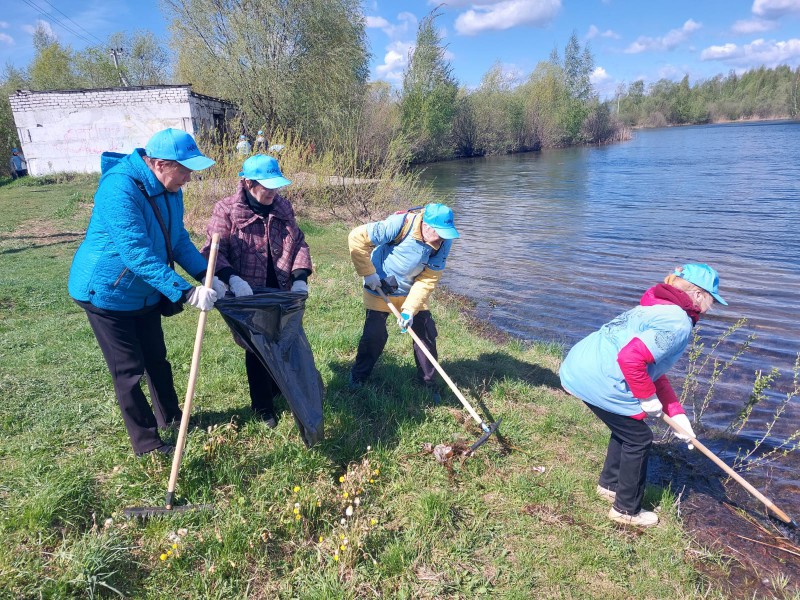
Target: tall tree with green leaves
x,y
52,66
294,64
428,99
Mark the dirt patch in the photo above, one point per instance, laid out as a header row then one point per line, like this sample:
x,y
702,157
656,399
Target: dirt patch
x,y
36,234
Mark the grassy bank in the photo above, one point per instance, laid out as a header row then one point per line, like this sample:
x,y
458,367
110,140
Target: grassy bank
x,y
516,522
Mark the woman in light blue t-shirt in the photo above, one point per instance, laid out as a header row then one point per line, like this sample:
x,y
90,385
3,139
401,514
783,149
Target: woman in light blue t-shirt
x,y
620,371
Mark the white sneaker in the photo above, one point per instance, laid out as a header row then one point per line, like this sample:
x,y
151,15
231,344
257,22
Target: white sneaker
x,y
644,518
606,494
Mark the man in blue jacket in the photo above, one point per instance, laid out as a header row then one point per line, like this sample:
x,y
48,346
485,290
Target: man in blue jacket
x,y
122,272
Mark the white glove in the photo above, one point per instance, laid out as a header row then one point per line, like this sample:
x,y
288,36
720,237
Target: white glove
x,y
217,286
300,286
373,282
239,286
652,406
683,422
201,297
405,320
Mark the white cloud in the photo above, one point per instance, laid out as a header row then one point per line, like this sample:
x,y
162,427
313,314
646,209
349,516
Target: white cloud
x,y
377,22
6,39
775,9
394,61
599,76
498,15
667,42
594,32
759,52
4,25
748,26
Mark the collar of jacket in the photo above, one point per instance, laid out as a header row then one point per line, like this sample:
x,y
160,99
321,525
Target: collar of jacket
x,y
243,215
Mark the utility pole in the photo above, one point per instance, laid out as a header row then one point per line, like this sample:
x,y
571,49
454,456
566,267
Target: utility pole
x,y
114,52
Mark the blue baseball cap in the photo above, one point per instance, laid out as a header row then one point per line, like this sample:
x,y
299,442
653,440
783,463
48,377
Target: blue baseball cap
x,y
177,145
265,170
703,277
440,218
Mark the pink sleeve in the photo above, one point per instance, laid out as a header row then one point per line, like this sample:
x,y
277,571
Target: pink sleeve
x,y
668,397
633,360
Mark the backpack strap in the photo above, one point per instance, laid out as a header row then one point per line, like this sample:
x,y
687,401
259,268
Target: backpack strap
x,y
159,218
408,225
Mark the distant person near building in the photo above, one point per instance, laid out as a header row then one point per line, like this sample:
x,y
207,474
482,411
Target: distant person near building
x,y
243,147
18,164
261,143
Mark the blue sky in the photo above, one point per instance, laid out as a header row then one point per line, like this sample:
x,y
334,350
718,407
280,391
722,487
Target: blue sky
x,y
630,39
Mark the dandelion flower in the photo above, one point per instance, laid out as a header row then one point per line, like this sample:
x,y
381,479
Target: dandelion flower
x,y
297,517
341,479
373,522
372,481
377,471
341,536
163,557
345,495
169,552
296,489
296,511
342,547
336,557
349,511
321,539
174,546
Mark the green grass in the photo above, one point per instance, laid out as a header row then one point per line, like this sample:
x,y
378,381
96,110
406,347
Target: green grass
x,y
492,525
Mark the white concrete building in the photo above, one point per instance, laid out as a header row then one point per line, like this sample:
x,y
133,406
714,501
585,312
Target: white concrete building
x,y
67,130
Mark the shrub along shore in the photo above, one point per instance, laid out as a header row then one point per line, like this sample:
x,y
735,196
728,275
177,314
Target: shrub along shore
x,y
366,513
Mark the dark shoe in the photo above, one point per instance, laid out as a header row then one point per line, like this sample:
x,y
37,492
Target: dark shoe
x,y
437,397
354,384
165,449
269,418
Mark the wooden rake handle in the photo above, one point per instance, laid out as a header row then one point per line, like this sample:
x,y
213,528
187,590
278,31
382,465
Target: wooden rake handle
x,y
753,491
187,403
436,364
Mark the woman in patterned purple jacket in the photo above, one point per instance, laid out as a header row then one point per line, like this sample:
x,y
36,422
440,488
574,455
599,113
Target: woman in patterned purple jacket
x,y
260,246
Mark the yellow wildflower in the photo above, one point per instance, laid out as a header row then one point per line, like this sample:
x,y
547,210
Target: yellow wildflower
x,y
341,479
163,557
336,556
297,517
373,522
377,471
296,489
342,548
321,539
345,495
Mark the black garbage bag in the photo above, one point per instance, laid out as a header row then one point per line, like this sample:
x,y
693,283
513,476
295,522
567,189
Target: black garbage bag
x,y
270,324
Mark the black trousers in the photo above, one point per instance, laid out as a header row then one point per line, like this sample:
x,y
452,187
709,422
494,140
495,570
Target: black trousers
x,y
625,469
134,346
263,388
375,335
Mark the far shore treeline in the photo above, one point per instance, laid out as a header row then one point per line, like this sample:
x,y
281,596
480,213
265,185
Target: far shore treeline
x,y
302,67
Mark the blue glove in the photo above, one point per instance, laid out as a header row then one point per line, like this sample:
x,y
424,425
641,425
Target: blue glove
x,y
404,321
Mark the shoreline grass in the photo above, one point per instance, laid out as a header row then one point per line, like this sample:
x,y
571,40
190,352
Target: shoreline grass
x,y
494,525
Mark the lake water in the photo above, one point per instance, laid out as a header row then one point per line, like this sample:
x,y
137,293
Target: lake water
x,y
556,243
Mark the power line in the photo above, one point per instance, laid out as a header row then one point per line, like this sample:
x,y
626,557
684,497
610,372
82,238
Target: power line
x,y
76,24
56,21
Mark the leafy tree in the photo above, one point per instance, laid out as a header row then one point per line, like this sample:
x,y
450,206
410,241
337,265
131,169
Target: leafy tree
x,y
289,64
52,66
428,99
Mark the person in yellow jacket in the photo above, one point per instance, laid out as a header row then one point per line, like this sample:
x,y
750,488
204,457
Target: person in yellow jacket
x,y
412,247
